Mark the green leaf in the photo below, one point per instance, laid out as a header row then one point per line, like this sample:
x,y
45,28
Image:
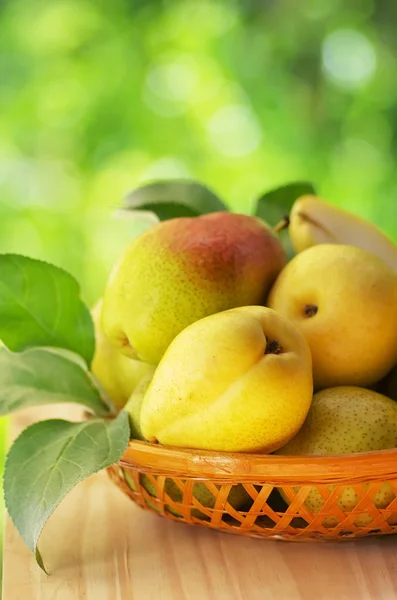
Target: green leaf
x,y
276,204
49,459
174,198
40,305
46,376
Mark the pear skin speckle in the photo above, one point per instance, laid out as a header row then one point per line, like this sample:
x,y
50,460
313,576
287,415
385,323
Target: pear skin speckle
x,y
343,420
185,269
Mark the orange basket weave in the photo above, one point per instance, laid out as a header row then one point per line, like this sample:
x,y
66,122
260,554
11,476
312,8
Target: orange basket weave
x,y
264,496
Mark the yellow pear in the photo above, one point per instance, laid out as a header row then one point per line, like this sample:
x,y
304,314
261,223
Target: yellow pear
x,y
185,269
117,374
314,221
238,497
344,300
343,420
240,380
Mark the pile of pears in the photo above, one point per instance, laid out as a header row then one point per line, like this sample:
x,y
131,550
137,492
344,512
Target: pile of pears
x,y
211,340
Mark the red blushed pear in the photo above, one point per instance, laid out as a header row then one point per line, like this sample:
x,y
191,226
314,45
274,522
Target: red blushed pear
x,y
183,270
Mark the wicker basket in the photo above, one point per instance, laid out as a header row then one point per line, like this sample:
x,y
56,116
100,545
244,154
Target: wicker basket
x,y
240,493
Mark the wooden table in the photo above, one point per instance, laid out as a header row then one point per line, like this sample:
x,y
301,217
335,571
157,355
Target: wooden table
x,y
99,546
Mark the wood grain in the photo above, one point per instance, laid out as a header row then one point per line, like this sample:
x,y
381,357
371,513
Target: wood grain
x,y
100,546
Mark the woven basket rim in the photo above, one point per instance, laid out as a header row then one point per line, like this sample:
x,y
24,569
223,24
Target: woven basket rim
x,y
380,464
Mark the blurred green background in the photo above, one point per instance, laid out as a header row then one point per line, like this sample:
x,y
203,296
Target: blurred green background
x,y
97,97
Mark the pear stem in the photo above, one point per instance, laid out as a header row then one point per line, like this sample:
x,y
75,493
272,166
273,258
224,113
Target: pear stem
x,y
283,224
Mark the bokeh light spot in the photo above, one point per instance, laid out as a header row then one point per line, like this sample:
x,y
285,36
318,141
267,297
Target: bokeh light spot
x,y
179,81
175,81
349,58
166,168
59,26
234,130
202,19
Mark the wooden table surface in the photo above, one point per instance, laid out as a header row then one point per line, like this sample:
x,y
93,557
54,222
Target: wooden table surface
x,y
99,546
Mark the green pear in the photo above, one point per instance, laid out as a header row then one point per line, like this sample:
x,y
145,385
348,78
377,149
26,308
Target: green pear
x,y
344,420
344,301
238,498
185,269
117,374
240,380
134,404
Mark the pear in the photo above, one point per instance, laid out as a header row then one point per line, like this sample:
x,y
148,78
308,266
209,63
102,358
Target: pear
x,y
237,497
240,380
314,221
344,300
117,374
343,420
183,270
134,404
